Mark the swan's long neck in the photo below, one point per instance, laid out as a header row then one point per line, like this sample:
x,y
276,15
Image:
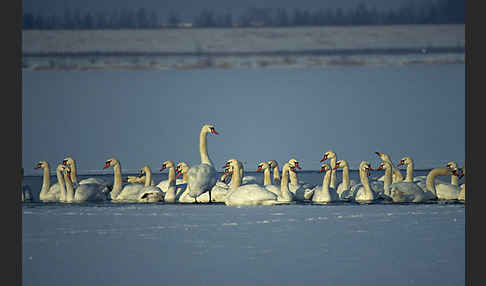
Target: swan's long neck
x,y
365,181
60,179
430,181
74,178
454,180
409,175
293,177
346,177
148,178
117,181
276,174
333,173
267,180
387,181
203,148
398,175
284,184
326,182
46,181
236,177
171,189
69,188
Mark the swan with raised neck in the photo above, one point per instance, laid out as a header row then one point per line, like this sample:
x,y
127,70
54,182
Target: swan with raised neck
x,y
294,180
48,193
396,174
267,180
332,156
170,194
285,194
203,145
431,185
364,192
117,177
276,171
346,183
69,185
71,163
325,194
60,178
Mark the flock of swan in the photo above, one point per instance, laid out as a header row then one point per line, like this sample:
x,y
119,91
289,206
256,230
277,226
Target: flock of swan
x,y
200,184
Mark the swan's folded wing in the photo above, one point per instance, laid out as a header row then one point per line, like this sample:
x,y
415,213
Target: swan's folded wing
x,y
201,178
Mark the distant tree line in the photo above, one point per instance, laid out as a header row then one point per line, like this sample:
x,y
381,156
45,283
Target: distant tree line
x,y
439,12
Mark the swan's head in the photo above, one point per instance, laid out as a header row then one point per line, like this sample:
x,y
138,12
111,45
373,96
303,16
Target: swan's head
x,y
325,167
452,165
328,155
383,156
111,162
225,175
181,169
272,163
68,161
41,164
145,169
230,162
210,129
383,166
340,163
262,166
167,164
62,168
294,164
405,161
365,167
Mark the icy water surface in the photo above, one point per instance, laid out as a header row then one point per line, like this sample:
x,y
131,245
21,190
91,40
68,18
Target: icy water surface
x,y
337,244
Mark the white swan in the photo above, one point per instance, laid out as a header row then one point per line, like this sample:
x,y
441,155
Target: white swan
x,y
267,180
202,177
302,191
404,191
276,172
48,193
396,174
446,191
87,192
150,193
122,193
138,180
25,191
344,188
421,180
164,184
332,157
325,194
362,191
71,163
243,195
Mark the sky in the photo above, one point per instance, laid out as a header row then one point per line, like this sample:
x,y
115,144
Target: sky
x,y
190,8
147,117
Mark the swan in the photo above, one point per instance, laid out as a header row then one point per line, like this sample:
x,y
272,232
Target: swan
x,y
150,193
446,191
120,193
138,180
363,192
83,192
462,193
396,174
202,177
26,192
171,190
421,179
325,194
332,157
404,191
69,161
267,180
301,191
344,188
164,184
48,193
276,172
243,195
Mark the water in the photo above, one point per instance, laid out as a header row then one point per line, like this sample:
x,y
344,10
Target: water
x,y
337,244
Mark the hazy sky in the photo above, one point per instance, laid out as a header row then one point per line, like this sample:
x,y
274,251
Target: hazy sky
x,y
147,117
190,8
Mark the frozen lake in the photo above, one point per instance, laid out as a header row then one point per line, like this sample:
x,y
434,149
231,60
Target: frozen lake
x,y
336,244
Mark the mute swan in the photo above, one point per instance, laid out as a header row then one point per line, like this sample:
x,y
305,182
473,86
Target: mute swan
x,y
324,193
48,193
420,180
243,195
344,188
396,174
218,191
120,193
301,191
202,177
164,184
363,192
26,192
332,157
170,189
138,180
149,193
446,191
84,192
267,180
401,192
69,161
276,172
